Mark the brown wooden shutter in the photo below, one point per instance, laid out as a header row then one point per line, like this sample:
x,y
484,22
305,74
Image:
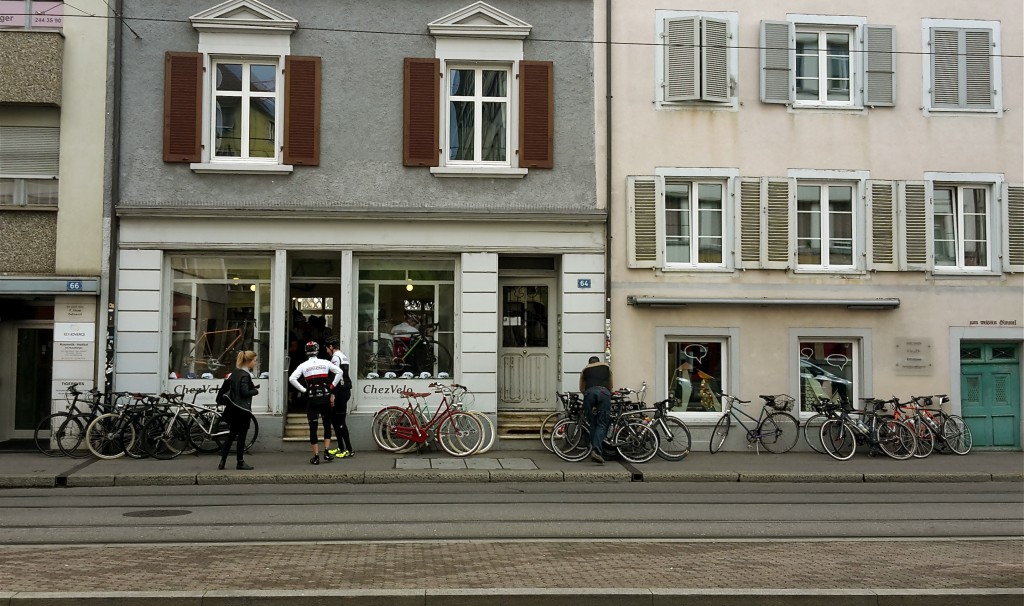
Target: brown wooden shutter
x,y
183,107
420,145
536,114
302,110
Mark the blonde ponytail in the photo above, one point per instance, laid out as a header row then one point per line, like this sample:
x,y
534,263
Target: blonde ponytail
x,y
244,357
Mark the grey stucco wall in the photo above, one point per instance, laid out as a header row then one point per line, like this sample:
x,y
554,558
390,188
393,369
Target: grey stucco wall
x,y
361,120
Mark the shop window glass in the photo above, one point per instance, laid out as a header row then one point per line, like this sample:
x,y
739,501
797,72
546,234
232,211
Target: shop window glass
x,y
696,374
406,318
827,370
220,306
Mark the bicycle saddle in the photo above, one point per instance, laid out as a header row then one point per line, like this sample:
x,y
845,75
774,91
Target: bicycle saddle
x,y
413,394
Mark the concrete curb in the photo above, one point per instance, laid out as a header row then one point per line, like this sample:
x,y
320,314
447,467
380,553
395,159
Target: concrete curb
x,y
691,476
155,479
27,481
939,476
801,477
602,475
1016,476
529,597
394,476
522,475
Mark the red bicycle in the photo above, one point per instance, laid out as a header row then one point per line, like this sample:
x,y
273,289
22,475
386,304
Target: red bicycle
x,y
401,429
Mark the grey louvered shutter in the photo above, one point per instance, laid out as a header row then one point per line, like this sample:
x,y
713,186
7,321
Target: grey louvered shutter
x,y
977,71
1013,253
29,151
945,68
778,210
880,65
916,248
882,245
778,61
682,59
714,81
642,222
750,232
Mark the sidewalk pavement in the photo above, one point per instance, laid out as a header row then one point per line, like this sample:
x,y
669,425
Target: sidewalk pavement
x,y
34,470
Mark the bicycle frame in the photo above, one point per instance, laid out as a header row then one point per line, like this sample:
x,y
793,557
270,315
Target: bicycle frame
x,y
732,410
415,406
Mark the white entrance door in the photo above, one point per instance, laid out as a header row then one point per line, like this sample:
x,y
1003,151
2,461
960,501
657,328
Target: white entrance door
x,y
528,344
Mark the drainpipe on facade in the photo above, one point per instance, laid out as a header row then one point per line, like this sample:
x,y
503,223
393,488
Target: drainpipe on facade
x,y
115,193
608,181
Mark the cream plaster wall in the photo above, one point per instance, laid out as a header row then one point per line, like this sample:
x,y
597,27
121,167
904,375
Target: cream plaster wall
x,y
83,115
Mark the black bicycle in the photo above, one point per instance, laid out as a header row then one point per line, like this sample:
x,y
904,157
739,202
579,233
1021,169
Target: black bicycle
x,y
774,428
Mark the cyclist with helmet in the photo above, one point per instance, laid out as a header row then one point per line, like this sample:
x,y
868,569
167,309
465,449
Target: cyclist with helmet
x,y
339,400
315,373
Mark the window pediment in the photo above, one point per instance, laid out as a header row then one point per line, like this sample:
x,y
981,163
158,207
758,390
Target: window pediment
x,y
243,15
480,20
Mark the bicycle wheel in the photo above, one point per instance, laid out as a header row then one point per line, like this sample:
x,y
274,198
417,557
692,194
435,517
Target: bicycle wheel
x,y
384,423
570,440
812,432
673,438
490,435
545,429
636,442
896,440
720,432
837,440
956,434
778,432
104,436
71,436
925,439
207,442
460,435
47,436
164,436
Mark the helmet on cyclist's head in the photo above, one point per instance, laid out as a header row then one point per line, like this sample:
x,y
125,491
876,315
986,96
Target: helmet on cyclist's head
x,y
332,342
312,348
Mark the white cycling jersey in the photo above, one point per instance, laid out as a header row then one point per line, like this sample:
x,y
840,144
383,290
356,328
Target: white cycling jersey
x,y
314,370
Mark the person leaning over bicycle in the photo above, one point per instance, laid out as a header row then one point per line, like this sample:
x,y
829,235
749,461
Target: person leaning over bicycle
x,y
237,414
339,400
596,385
314,373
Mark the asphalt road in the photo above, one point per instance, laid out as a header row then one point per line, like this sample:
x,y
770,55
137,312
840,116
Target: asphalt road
x,y
564,511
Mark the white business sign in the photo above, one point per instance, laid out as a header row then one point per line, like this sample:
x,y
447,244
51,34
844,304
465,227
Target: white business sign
x,y
77,332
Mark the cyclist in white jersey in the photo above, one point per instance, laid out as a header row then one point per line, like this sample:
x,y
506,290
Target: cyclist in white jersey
x,y
339,401
317,389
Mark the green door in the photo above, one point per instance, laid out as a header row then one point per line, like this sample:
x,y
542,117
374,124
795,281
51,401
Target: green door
x,y
990,393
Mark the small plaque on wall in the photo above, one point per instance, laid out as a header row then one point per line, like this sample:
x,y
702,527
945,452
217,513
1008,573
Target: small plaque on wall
x,y
914,356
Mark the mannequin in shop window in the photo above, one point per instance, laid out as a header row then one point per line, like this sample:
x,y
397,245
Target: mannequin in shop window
x,y
409,326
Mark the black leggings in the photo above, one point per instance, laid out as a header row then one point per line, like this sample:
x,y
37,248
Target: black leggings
x,y
338,418
238,429
313,414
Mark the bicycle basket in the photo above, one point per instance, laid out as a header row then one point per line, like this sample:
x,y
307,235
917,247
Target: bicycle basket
x,y
781,402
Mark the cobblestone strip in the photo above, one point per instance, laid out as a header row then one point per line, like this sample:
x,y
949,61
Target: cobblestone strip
x,y
537,564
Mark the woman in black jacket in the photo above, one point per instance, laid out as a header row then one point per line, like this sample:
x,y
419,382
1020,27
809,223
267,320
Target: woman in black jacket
x,y
237,416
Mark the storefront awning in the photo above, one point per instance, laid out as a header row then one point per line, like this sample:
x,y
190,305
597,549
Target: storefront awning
x,y
49,285
763,302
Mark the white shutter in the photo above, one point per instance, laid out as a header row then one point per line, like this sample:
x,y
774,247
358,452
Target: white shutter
x,y
880,65
642,222
29,151
750,221
778,61
682,59
978,68
945,68
1013,249
882,249
778,227
914,213
714,81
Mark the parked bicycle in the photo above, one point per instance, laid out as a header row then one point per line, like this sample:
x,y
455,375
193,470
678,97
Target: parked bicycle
x,y
951,431
187,425
629,433
63,433
774,429
403,428
840,436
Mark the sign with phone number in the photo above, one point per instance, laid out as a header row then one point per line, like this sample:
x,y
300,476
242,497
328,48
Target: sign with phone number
x,y
45,15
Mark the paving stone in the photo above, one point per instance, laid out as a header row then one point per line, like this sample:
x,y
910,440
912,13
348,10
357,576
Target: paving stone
x,y
447,464
412,463
517,464
475,463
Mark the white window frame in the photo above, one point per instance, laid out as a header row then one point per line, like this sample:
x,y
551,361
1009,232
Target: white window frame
x,y
478,100
824,226
732,19
927,25
245,96
223,39
729,179
727,336
858,179
21,190
993,184
862,354
852,25
822,57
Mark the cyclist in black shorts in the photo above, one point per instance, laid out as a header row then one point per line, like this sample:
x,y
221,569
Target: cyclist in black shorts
x,y
339,401
315,373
